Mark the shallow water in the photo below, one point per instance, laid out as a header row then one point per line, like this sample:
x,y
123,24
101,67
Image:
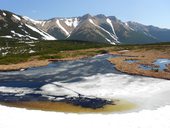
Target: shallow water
x,y
131,61
91,78
29,85
160,65
121,106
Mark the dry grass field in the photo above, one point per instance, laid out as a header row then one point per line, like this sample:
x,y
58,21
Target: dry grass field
x,y
144,56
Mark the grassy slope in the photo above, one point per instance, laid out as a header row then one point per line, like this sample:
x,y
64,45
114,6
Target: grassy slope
x,y
19,51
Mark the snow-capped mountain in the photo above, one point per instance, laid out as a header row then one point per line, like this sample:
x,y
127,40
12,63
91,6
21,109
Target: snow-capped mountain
x,y
15,26
99,28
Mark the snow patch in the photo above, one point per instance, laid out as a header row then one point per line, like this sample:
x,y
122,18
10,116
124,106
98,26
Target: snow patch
x,y
33,38
45,35
12,90
20,35
110,23
112,36
69,22
75,23
158,118
33,21
4,14
4,53
62,28
129,26
72,22
43,23
6,36
16,17
53,89
110,41
17,34
31,51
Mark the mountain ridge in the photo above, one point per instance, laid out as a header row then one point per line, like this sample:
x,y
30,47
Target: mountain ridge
x,y
98,28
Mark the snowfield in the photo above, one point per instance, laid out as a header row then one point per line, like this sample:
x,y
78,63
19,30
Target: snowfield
x,y
152,96
19,118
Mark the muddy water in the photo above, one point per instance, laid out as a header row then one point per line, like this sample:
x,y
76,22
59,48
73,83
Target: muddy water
x,y
119,106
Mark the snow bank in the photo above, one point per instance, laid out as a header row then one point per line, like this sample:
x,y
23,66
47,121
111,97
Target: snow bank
x,y
12,90
147,93
19,118
54,90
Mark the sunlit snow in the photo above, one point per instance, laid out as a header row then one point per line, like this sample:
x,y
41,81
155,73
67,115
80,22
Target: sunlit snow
x,y
16,17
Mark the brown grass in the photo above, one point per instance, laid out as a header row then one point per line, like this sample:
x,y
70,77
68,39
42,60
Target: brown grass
x,y
35,61
24,65
143,56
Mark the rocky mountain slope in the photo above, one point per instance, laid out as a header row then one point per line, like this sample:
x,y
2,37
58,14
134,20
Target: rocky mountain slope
x,y
99,28
15,26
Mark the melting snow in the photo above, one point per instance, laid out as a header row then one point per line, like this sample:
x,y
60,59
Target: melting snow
x,y
4,53
33,21
31,51
112,36
6,36
20,35
43,23
22,91
72,22
109,41
16,17
45,35
33,38
4,14
76,22
62,28
53,89
110,23
69,22
129,26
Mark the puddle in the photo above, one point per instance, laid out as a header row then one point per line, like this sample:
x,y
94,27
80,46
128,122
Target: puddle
x,y
158,65
120,106
131,61
148,67
162,63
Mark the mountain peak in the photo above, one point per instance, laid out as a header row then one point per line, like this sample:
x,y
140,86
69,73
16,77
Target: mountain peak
x,y
98,28
86,16
100,16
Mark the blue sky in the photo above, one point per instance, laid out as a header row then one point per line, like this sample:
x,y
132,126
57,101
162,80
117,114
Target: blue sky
x,y
155,12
